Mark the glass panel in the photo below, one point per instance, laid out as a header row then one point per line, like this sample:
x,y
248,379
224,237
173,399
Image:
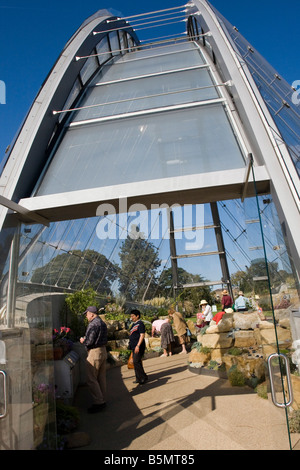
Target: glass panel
x,y
26,338
273,88
103,50
72,97
174,144
151,61
114,43
88,69
170,90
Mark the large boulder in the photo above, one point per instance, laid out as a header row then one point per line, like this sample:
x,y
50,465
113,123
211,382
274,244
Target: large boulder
x,y
224,325
215,340
246,321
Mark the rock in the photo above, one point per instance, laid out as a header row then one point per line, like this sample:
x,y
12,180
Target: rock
x,y
245,339
268,335
191,326
121,334
247,365
246,321
217,354
199,357
215,340
116,357
296,391
122,343
77,439
265,325
224,325
282,313
154,343
285,323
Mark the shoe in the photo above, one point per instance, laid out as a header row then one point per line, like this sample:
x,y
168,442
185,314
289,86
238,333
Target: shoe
x,y
183,352
164,355
96,408
142,382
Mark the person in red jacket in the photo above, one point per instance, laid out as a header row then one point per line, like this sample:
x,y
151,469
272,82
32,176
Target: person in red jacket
x,y
226,300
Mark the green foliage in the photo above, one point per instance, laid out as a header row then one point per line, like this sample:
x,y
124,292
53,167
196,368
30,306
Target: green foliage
x,y
194,295
197,345
78,269
80,300
204,349
114,311
236,377
77,303
203,330
261,391
139,265
124,355
213,365
257,268
235,351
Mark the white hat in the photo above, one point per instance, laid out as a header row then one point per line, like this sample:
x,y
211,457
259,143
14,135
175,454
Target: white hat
x,y
203,302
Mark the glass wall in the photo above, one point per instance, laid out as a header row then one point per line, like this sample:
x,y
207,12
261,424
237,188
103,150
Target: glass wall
x,y
27,395
145,117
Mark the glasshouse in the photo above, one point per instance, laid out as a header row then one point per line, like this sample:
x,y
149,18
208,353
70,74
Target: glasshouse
x,y
151,174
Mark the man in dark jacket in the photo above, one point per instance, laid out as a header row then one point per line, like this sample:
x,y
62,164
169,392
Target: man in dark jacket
x,y
137,345
95,340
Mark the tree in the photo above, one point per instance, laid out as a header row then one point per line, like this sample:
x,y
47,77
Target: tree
x,y
77,303
252,280
77,270
139,265
193,294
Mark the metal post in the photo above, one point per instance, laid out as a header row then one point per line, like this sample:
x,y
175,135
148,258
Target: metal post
x,y
12,278
221,247
173,252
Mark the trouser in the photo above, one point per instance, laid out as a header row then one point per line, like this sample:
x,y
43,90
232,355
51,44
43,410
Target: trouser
x,y
96,374
138,366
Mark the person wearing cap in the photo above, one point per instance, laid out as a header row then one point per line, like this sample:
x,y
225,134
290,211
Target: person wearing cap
x,y
227,301
95,340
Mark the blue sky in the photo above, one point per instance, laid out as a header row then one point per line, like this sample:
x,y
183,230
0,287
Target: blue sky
x,y
33,33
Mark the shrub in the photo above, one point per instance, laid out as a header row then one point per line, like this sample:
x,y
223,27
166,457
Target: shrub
x,y
236,377
261,390
235,351
200,348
